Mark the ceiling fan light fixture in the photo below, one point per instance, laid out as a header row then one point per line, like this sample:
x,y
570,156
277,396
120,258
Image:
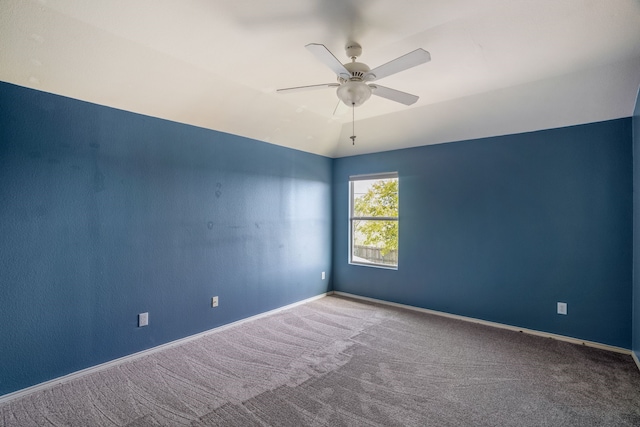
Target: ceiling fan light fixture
x,y
354,93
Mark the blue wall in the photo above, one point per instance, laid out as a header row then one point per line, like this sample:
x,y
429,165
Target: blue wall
x,y
105,214
636,228
502,228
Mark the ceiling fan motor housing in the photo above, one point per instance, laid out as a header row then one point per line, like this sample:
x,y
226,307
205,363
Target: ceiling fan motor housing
x,y
357,70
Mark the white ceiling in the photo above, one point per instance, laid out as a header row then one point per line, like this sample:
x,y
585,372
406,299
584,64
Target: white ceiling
x,y
498,66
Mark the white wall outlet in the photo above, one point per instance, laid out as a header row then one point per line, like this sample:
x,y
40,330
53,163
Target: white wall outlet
x,y
143,319
323,275
562,308
214,301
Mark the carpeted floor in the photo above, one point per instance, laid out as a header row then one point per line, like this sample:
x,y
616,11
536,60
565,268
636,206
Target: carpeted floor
x,y
335,362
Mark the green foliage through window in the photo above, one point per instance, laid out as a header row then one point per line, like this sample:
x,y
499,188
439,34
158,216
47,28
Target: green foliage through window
x,y
380,201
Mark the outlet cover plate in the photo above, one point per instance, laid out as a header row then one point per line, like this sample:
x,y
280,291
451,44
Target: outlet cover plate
x,y
562,308
214,301
143,319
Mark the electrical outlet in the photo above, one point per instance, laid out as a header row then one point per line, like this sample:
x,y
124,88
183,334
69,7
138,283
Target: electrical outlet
x,y
562,308
323,275
214,301
143,319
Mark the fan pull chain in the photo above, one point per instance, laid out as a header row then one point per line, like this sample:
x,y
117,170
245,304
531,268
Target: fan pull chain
x,y
353,123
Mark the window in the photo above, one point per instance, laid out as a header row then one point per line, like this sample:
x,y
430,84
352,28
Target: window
x,y
373,220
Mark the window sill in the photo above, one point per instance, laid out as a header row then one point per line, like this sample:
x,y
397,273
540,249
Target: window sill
x,y
382,266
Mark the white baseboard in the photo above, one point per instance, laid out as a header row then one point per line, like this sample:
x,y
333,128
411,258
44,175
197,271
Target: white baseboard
x,y
494,324
78,374
635,358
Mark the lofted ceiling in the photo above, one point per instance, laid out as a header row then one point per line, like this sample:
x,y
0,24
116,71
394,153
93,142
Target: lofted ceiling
x,y
498,66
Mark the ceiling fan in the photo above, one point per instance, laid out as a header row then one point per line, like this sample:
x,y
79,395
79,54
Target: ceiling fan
x,y
353,88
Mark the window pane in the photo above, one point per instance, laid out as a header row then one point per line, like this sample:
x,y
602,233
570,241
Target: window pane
x,y
375,242
375,197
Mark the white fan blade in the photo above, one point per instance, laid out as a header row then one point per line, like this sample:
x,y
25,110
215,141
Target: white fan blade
x,y
325,56
393,95
341,109
410,60
303,88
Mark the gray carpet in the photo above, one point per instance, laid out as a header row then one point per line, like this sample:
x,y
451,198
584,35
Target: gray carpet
x,y
340,362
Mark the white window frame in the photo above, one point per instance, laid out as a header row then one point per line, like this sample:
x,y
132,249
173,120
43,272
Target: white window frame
x,y
352,218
